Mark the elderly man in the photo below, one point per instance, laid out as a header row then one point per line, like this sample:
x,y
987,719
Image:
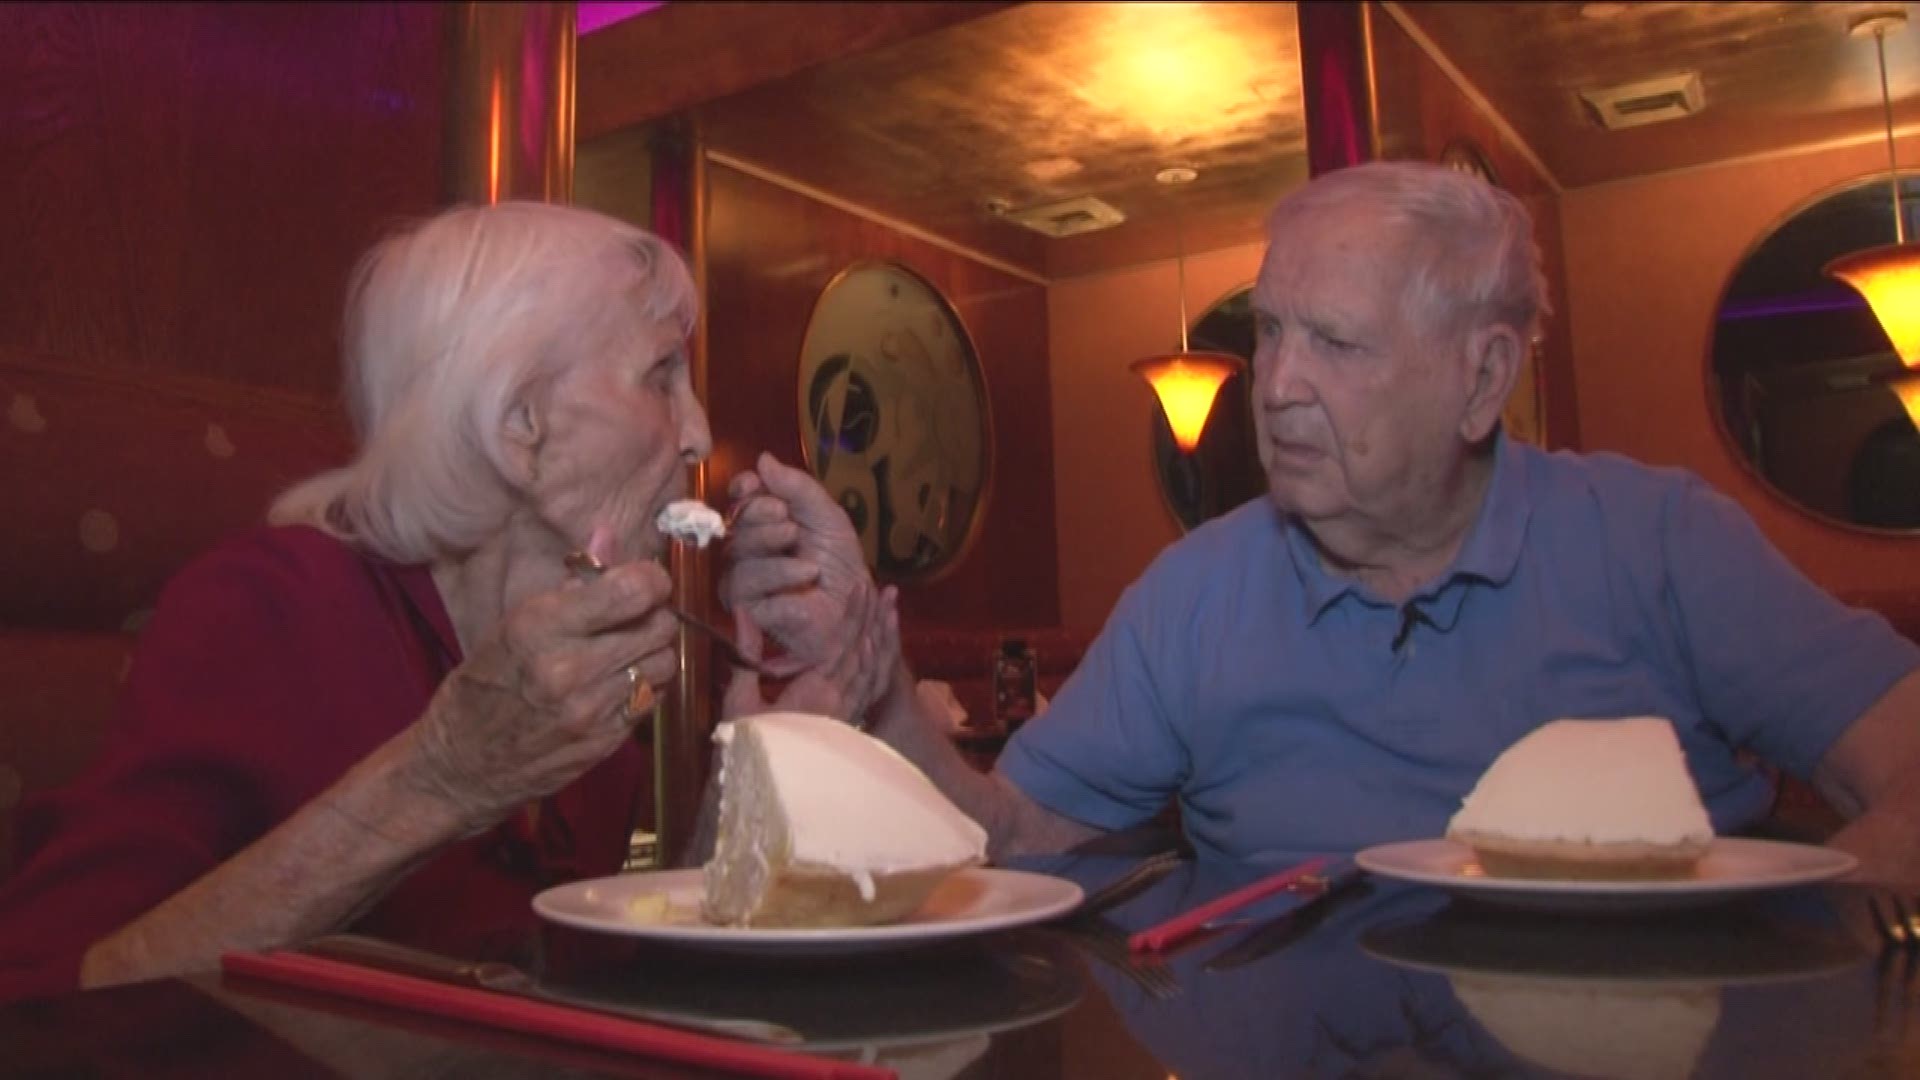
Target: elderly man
x,y
1336,665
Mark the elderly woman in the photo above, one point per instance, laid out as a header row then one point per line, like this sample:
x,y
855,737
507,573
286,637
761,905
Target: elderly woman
x,y
395,709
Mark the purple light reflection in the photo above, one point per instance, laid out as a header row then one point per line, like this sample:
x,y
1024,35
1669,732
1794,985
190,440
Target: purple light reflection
x,y
590,16
1789,305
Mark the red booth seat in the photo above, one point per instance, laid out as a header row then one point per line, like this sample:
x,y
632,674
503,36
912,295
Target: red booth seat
x,y
111,481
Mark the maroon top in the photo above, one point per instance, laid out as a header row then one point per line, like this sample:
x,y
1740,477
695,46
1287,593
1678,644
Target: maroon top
x,y
273,664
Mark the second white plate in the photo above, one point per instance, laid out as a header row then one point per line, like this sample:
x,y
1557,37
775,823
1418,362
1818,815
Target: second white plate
x,y
1731,867
664,906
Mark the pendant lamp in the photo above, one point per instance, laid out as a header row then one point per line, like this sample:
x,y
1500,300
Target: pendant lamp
x,y
1889,275
1185,382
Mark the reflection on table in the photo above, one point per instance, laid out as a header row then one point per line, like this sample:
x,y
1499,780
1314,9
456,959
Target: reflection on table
x,y
1397,980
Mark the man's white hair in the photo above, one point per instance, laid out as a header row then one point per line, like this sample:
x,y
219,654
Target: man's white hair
x,y
1471,251
454,323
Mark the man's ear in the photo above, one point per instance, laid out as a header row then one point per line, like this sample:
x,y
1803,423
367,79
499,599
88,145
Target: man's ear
x,y
1493,356
520,438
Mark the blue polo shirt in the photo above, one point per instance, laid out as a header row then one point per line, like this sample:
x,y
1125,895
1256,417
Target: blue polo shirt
x,y
1291,710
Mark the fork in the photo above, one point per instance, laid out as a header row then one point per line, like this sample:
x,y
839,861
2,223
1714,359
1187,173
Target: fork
x,y
1108,943
1900,930
584,565
1899,963
1130,884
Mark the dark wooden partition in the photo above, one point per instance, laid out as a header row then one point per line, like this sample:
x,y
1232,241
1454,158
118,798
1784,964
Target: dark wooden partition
x,y
770,253
184,187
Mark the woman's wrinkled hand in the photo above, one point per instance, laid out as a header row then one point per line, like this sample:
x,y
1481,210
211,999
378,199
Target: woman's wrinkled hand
x,y
846,686
795,563
545,696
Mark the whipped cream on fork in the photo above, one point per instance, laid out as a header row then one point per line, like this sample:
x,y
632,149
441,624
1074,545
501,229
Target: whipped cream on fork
x,y
691,521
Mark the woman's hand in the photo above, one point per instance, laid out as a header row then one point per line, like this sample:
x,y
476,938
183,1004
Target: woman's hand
x,y
796,568
545,696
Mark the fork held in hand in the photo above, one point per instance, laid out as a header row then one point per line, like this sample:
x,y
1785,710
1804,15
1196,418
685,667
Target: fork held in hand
x,y
585,566
725,641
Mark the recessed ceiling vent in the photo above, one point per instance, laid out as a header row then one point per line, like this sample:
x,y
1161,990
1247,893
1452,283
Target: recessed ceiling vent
x,y
1650,101
1068,218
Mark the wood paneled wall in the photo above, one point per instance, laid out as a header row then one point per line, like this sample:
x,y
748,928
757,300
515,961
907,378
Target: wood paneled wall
x,y
770,252
1420,112
1114,517
184,187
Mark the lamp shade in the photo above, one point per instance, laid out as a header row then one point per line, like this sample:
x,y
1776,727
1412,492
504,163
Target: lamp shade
x,y
1186,384
1907,389
1889,277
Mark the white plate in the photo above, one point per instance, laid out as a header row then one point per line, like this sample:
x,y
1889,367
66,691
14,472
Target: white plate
x,y
973,901
1731,867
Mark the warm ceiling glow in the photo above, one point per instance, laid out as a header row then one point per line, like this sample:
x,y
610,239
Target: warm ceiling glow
x,y
1186,384
1889,277
1169,66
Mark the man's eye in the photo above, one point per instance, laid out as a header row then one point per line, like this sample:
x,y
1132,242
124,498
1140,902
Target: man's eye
x,y
1339,345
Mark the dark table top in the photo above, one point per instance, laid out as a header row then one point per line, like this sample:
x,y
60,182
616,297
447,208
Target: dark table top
x,y
1398,980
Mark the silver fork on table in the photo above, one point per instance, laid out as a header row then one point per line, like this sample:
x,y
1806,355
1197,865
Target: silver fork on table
x,y
1089,928
1108,943
1130,884
1898,923
1895,923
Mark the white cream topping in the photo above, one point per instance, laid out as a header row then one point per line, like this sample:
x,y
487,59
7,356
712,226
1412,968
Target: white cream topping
x,y
852,803
1590,781
692,521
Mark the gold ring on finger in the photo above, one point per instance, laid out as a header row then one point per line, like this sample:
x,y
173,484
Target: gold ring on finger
x,y
639,694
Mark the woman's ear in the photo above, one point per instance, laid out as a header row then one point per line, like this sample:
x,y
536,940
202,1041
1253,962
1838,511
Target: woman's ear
x,y
1494,354
520,438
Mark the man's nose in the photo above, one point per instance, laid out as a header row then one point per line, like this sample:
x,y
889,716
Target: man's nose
x,y
1279,375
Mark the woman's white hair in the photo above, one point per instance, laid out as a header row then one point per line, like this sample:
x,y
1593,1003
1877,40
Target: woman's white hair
x,y
452,325
1471,248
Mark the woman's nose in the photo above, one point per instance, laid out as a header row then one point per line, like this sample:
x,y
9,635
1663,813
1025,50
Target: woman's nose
x,y
696,438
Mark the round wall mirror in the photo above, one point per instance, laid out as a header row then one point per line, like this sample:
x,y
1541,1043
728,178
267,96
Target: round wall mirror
x,y
1802,374
1224,470
894,420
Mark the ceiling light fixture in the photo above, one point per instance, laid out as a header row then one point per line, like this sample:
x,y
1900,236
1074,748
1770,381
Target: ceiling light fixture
x,y
1888,275
1186,382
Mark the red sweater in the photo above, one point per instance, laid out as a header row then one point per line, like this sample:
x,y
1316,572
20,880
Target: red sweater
x,y
273,664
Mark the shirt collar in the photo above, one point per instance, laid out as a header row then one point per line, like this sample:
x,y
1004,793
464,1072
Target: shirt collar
x,y
1490,554
1492,550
